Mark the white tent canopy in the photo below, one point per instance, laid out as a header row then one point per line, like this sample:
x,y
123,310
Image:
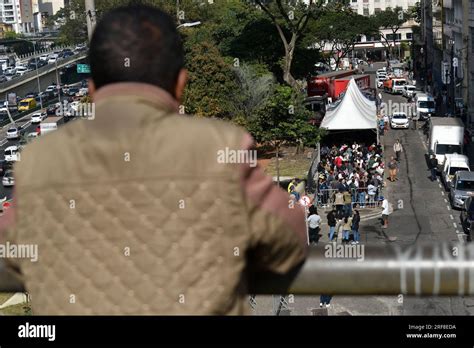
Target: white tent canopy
x,y
355,111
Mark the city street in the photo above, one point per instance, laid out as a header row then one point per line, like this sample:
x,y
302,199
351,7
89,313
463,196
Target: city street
x,y
422,214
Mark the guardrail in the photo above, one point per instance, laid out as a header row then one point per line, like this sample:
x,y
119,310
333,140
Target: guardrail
x,y
41,52
31,75
336,269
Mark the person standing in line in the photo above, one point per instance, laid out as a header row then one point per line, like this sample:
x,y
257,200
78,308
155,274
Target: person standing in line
x,y
314,223
355,226
347,203
346,228
398,149
433,167
371,191
340,222
331,217
339,201
385,212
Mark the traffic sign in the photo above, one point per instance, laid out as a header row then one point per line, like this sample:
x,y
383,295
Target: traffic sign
x,y
305,201
83,69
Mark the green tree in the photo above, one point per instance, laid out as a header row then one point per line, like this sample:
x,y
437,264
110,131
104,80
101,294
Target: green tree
x,y
212,89
290,19
283,120
391,19
340,29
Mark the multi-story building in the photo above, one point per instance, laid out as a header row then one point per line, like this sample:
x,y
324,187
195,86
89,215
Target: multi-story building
x,y
371,7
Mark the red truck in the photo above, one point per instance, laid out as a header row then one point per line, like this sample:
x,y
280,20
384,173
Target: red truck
x,y
320,85
340,85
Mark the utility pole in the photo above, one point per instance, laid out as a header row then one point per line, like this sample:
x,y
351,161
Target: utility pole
x,y
90,17
453,82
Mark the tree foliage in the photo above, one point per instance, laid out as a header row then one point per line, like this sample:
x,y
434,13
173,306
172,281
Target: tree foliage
x,y
212,88
340,29
391,19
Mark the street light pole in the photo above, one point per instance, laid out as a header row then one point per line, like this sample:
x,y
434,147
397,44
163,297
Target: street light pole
x,y
453,82
58,82
37,74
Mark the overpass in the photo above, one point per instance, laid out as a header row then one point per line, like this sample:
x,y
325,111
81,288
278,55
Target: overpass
x,y
28,82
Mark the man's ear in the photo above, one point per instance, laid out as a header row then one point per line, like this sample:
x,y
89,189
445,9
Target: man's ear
x,y
91,87
181,84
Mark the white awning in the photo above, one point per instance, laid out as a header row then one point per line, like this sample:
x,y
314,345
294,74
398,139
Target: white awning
x,y
355,111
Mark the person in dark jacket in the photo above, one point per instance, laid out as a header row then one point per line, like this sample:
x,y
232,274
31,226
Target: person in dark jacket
x,y
433,167
355,226
331,217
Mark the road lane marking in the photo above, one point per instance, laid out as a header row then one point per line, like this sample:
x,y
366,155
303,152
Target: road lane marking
x,y
458,232
440,186
442,193
449,208
445,200
461,238
452,217
455,225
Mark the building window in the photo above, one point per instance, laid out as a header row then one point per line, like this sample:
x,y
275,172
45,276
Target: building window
x,y
409,36
366,11
377,10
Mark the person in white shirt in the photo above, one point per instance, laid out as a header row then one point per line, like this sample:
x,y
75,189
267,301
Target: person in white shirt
x,y
385,212
314,224
371,191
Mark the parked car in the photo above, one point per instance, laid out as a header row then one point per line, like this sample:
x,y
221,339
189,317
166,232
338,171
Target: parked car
x,y
8,180
44,57
467,215
453,163
52,60
461,188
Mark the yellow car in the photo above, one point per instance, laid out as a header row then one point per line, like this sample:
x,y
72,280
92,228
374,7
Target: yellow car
x,y
27,104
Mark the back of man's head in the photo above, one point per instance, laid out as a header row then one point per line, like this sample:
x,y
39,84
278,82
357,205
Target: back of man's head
x,y
136,44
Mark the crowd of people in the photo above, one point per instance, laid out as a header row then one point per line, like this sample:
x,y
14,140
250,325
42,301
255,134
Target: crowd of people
x,y
350,176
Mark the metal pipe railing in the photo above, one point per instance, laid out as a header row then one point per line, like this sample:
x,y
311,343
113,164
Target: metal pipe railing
x,y
336,269
429,270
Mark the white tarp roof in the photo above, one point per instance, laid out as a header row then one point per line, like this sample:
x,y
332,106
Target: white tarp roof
x,y
355,111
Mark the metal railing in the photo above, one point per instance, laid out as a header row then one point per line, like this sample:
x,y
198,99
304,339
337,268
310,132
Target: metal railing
x,y
429,270
31,75
359,198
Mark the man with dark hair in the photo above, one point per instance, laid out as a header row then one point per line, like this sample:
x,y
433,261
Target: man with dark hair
x,y
120,206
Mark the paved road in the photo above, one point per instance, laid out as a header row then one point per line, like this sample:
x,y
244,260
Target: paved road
x,y
422,215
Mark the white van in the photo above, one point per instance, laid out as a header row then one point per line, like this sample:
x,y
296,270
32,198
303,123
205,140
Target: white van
x,y
446,137
425,106
12,154
453,163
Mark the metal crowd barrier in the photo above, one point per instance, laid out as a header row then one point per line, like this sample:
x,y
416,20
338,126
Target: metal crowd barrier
x,y
326,198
